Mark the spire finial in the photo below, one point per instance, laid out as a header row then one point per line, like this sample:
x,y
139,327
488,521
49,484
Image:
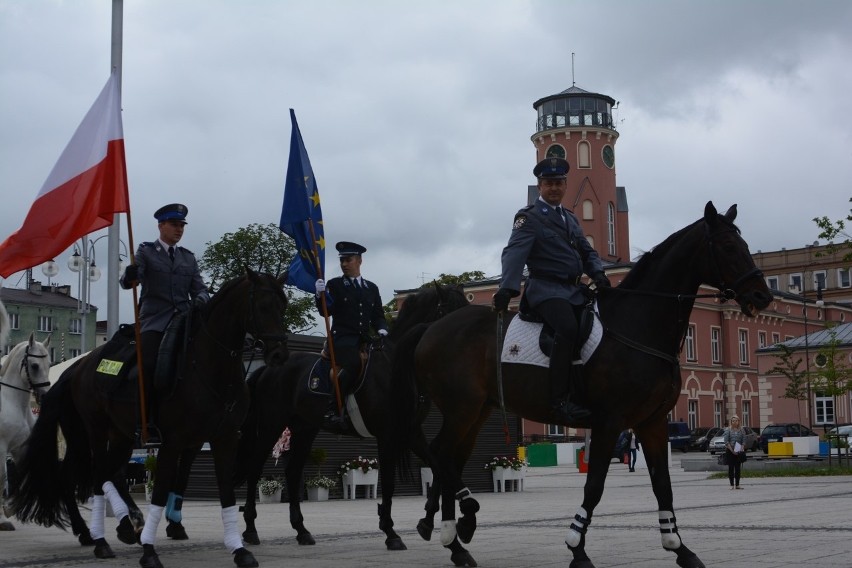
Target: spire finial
x,y
573,83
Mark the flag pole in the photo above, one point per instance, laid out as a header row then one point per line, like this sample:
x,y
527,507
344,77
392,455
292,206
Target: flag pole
x,y
334,380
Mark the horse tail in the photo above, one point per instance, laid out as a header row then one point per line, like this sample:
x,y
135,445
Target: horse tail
x,y
39,497
248,432
403,416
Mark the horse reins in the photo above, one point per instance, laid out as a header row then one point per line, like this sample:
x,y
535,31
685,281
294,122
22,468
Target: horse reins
x,y
26,371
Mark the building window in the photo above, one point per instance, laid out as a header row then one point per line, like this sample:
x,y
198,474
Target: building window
x,y
610,227
584,155
772,282
14,321
555,151
776,338
716,344
74,353
75,326
692,414
45,323
824,406
743,344
53,354
761,339
796,283
819,280
588,210
717,414
689,342
591,240
746,417
555,430
843,280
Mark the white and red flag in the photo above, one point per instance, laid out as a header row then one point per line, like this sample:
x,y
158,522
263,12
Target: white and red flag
x,y
86,187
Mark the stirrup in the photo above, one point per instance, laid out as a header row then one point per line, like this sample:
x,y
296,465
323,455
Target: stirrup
x,y
337,424
569,411
155,439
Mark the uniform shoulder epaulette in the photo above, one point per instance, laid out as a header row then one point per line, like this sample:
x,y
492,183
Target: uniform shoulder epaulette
x,y
185,250
143,245
521,217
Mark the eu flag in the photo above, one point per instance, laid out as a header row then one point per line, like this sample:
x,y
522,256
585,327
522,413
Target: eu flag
x,y
301,215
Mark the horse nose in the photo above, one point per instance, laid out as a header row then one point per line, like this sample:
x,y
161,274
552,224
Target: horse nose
x,y
762,299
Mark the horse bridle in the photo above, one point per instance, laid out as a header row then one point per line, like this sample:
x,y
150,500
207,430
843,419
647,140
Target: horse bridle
x,y
26,371
726,292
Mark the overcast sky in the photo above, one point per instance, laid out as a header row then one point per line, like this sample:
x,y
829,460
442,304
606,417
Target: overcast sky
x,y
417,117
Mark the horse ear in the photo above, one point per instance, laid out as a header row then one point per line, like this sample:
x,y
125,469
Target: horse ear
x,y
710,213
731,213
46,341
282,278
32,338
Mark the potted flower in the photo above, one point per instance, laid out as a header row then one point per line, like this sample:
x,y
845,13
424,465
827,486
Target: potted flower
x,y
506,468
360,471
150,465
319,484
270,490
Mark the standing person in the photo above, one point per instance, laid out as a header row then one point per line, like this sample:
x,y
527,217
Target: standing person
x,y
548,239
171,282
632,447
734,450
355,306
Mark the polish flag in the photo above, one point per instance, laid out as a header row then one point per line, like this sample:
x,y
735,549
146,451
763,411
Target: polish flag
x,y
87,186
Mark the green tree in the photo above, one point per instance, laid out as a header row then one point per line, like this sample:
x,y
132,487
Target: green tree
x,y
263,248
797,380
462,278
831,230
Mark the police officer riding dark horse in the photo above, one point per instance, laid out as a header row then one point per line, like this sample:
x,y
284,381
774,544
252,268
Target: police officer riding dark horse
x,y
356,308
549,240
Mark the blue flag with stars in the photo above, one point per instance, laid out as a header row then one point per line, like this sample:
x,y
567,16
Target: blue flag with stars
x,y
301,215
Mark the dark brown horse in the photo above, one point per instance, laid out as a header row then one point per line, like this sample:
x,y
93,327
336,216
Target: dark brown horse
x,y
280,399
632,379
208,404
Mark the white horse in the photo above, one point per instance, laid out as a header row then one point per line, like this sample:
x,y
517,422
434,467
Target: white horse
x,y
23,373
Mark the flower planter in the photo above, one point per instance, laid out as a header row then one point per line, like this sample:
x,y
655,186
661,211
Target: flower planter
x,y
356,477
508,479
317,494
274,498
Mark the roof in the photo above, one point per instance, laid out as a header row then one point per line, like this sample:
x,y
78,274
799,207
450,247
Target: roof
x,y
573,91
841,333
47,297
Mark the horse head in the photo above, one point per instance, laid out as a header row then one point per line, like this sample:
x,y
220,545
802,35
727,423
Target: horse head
x,y
267,308
731,266
30,362
427,305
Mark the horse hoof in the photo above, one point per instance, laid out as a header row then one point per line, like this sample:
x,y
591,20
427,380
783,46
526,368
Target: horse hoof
x,y
7,526
244,559
103,550
581,564
85,539
690,562
425,529
251,537
465,527
176,531
462,558
125,531
149,557
305,538
395,544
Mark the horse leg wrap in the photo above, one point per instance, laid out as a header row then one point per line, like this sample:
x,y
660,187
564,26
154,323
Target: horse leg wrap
x,y
448,532
467,504
668,530
578,528
149,533
96,530
119,507
232,531
173,508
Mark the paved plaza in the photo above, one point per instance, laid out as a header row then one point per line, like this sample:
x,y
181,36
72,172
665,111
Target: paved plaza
x,y
771,523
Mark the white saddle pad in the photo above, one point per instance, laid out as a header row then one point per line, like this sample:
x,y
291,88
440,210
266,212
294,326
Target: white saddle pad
x,y
521,343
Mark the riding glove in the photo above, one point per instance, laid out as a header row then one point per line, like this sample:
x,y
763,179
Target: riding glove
x,y
320,284
131,274
600,280
500,300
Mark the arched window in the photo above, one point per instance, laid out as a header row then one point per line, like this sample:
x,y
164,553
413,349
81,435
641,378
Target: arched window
x,y
588,210
583,155
610,228
591,240
555,151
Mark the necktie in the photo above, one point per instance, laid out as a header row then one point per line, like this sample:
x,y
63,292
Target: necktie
x,y
356,283
172,254
561,214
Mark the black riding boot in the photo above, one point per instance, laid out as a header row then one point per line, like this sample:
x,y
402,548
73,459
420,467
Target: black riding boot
x,y
561,383
155,439
334,421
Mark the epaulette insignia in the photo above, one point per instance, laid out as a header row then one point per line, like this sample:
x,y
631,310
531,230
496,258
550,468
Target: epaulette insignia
x,y
520,219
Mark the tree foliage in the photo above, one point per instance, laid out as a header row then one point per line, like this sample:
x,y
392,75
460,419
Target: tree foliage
x,y
834,377
263,248
832,230
797,380
463,278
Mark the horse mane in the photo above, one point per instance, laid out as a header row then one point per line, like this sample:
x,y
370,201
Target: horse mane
x,y
661,251
424,305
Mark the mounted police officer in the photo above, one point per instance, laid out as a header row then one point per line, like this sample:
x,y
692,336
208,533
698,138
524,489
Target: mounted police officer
x,y
356,308
170,281
549,240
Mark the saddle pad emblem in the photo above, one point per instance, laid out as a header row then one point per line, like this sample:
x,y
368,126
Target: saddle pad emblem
x,y
521,343
314,382
108,367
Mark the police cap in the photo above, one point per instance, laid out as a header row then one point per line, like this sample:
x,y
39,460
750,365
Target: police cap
x,y
172,212
552,168
345,248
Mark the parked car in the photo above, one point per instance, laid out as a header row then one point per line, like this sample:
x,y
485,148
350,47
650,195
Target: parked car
x,y
777,432
700,437
717,444
843,430
679,436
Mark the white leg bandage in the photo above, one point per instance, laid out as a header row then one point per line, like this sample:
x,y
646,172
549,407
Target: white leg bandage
x,y
448,532
119,507
578,528
668,530
233,540
96,527
152,521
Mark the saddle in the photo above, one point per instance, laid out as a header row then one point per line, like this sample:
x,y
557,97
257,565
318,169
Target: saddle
x,y
319,379
585,320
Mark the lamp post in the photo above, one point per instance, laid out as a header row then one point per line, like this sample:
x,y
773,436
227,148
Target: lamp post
x,y
819,304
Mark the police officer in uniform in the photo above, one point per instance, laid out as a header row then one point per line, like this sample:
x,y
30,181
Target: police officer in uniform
x,y
171,282
356,308
550,241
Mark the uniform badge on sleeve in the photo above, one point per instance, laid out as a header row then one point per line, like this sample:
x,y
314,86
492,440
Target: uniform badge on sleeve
x,y
520,219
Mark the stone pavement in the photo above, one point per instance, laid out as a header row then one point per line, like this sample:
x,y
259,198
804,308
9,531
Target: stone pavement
x,y
771,523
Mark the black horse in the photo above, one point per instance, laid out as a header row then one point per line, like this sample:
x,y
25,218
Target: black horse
x,y
280,399
208,403
632,379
